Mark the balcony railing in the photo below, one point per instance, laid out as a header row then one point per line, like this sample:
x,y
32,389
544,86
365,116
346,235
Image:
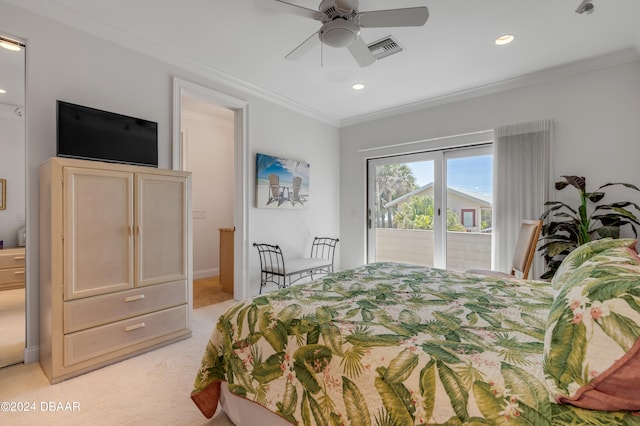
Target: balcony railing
x,y
465,250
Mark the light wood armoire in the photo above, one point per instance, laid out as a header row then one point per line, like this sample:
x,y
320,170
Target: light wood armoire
x,y
115,263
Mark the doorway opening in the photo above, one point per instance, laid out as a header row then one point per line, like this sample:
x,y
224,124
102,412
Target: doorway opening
x,y
13,282
209,140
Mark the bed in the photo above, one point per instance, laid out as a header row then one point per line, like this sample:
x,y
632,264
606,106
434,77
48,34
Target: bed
x,y
397,344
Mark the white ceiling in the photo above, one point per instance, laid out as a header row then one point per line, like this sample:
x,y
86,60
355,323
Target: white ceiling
x,y
245,41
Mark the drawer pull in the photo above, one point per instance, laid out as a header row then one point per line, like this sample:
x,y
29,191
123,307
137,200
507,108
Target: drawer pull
x,y
19,258
134,298
19,273
135,326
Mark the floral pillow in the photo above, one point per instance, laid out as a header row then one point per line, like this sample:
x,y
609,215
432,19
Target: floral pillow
x,y
584,253
592,341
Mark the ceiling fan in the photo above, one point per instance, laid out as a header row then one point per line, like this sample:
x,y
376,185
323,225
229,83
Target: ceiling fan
x,y
341,24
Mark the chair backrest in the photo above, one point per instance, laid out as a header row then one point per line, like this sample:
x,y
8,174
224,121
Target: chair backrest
x,y
324,248
297,182
271,259
526,247
274,184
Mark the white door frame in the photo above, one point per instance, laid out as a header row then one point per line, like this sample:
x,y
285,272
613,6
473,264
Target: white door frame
x,y
240,108
439,199
439,158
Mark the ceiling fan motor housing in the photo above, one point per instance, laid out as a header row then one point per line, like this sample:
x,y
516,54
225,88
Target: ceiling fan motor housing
x,y
339,33
343,5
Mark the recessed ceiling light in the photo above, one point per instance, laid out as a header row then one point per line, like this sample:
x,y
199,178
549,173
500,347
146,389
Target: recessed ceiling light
x,y
2,91
505,39
358,86
9,45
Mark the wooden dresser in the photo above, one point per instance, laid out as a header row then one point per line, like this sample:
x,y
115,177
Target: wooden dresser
x,y
12,267
115,268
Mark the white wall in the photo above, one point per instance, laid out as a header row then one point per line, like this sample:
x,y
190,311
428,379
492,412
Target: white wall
x,y
309,141
209,157
63,63
597,135
12,160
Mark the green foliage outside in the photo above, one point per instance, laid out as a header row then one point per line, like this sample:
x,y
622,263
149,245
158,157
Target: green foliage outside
x,y
486,219
392,181
418,214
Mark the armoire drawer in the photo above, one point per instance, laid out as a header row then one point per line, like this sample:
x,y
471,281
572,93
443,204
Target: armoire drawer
x,y
94,342
12,276
93,311
12,258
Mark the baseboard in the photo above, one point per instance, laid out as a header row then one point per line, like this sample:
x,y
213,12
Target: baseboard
x,y
206,273
31,354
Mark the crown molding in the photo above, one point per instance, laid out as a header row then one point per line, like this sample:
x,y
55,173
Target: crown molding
x,y
55,11
546,75
81,22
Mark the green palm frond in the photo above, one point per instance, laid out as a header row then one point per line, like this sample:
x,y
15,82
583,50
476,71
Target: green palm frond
x,y
352,362
261,393
256,354
383,418
326,404
468,374
514,357
361,330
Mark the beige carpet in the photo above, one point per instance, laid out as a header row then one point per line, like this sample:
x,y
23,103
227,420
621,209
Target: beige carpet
x,y
12,326
150,389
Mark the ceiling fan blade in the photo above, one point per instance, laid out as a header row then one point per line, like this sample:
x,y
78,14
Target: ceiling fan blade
x,y
304,47
361,53
298,10
410,17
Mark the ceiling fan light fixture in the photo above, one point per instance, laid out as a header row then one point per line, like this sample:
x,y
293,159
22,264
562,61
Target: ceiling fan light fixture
x,y
505,39
339,33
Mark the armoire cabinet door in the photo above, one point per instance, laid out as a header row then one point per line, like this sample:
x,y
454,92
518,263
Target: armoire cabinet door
x,y
98,228
161,228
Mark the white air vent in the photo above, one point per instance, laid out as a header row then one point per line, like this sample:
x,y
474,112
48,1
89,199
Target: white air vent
x,y
385,47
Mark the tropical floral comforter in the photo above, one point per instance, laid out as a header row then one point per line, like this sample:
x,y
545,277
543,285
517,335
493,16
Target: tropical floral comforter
x,y
392,344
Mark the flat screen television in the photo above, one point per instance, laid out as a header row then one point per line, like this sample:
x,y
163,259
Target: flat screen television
x,y
93,134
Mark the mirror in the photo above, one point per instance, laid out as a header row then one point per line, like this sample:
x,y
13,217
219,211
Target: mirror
x,y
12,201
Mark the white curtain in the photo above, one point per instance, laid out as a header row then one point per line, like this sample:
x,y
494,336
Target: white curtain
x,y
522,181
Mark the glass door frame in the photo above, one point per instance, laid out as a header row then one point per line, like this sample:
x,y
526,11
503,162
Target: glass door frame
x,y
439,158
439,236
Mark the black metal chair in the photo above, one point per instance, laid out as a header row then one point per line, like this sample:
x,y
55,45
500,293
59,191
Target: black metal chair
x,y
324,248
271,265
273,269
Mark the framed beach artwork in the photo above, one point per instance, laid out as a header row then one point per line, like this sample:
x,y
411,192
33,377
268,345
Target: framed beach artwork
x,y
281,183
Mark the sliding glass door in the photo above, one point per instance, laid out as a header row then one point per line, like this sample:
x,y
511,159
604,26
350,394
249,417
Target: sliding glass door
x,y
416,217
403,220
469,209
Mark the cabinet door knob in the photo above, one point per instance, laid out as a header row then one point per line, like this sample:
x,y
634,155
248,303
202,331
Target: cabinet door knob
x,y
134,298
135,326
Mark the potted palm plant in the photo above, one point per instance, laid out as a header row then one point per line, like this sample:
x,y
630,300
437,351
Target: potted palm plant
x,y
571,227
